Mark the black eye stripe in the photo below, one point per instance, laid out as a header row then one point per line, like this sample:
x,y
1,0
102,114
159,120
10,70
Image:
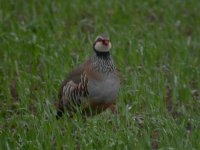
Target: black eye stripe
x,y
102,40
99,40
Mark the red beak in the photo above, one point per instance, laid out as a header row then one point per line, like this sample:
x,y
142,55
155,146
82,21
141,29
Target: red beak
x,y
106,42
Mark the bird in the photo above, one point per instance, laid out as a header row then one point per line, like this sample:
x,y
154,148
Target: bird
x,y
93,86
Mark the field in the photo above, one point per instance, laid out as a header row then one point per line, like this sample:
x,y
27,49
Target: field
x,y
156,46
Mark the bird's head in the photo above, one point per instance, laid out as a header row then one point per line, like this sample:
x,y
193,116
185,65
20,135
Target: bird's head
x,y
102,43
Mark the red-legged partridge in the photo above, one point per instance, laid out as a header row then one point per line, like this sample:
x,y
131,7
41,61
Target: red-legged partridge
x,y
92,86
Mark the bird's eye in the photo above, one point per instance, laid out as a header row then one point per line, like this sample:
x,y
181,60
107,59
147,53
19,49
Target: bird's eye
x,y
99,40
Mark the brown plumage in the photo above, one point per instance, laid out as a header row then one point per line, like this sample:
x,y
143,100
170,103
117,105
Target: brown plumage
x,y
93,86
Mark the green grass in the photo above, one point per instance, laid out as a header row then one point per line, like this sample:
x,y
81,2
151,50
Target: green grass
x,y
156,46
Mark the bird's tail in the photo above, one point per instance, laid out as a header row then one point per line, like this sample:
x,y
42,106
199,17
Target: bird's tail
x,y
60,109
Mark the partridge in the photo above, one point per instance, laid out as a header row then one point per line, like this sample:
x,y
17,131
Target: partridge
x,y
93,86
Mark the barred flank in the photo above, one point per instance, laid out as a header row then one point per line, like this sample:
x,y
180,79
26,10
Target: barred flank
x,y
75,92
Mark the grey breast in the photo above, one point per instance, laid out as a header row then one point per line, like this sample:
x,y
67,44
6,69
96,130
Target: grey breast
x,y
105,90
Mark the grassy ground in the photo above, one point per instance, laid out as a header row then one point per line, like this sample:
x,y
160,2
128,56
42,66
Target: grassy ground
x,y
156,45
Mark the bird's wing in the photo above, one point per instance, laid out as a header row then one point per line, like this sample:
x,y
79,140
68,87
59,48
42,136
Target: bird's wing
x,y
72,88
74,75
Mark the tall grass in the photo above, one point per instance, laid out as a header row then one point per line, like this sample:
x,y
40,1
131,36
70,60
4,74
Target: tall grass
x,y
156,46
